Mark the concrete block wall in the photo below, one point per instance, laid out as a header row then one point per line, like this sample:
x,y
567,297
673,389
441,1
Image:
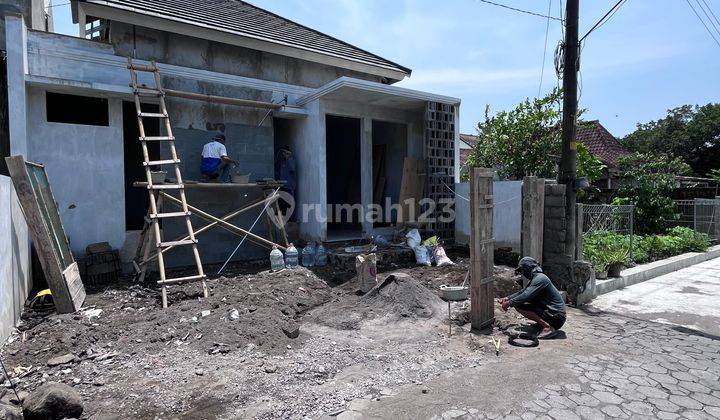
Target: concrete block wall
x,y
555,262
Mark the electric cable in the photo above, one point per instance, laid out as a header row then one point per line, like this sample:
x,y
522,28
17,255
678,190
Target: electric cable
x,y
547,30
520,10
607,16
708,16
703,23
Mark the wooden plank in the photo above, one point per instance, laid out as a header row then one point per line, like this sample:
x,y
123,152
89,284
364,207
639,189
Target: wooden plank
x,y
482,308
533,215
39,221
75,284
412,187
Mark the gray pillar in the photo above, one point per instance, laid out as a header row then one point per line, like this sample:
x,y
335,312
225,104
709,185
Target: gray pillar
x,y
366,173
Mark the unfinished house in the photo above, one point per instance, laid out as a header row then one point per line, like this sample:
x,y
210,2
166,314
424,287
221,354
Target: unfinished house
x,y
348,127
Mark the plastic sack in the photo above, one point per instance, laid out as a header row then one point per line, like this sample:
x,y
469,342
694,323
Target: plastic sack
x,y
441,258
422,256
413,238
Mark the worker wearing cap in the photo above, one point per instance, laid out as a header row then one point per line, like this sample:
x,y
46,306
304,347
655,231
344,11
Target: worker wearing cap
x,y
539,301
215,161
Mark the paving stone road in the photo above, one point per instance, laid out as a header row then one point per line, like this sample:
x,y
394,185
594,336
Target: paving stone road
x,y
688,297
609,366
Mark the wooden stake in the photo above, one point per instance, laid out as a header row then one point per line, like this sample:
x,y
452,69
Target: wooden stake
x,y
533,215
482,308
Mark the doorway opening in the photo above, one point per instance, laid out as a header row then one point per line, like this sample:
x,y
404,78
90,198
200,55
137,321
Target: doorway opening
x,y
136,199
388,154
342,147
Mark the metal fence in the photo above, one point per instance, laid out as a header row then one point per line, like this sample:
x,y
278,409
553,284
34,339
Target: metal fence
x,y
700,214
604,217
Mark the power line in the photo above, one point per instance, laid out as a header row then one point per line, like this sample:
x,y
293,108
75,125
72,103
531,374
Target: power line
x,y
703,23
711,12
604,19
547,30
708,16
520,10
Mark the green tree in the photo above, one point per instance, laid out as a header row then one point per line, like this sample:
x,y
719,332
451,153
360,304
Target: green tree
x,y
647,181
691,133
520,142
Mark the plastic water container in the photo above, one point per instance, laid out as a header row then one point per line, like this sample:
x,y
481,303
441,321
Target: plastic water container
x,y
291,257
321,256
308,255
277,261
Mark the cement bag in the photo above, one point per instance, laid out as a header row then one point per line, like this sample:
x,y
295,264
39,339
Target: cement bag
x,y
366,267
422,256
413,238
441,258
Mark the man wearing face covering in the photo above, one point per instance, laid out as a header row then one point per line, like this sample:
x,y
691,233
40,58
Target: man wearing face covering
x,y
539,301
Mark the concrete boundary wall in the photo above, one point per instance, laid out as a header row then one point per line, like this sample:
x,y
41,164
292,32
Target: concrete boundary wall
x,y
507,213
654,269
15,279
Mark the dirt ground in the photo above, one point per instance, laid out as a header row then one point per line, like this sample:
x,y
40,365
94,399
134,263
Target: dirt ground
x,y
263,345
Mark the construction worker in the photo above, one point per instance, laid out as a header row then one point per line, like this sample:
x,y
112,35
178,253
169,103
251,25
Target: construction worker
x,y
215,161
539,301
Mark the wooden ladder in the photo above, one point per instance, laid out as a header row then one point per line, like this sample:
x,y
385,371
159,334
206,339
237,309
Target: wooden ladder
x,y
154,214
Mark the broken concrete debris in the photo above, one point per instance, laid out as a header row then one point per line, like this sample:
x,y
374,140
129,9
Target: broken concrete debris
x,y
53,401
61,360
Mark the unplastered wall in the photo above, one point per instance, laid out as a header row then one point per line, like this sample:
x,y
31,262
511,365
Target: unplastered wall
x,y
15,278
181,50
85,166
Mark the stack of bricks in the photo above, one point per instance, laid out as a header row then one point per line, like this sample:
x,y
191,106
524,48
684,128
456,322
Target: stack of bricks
x,y
555,262
101,264
440,158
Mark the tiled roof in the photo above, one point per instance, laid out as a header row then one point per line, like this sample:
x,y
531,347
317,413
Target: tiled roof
x,y
469,139
600,142
243,19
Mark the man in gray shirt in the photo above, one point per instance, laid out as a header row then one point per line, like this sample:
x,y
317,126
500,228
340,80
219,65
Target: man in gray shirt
x,y
539,301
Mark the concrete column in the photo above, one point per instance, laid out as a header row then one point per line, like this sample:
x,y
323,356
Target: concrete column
x,y
17,68
366,172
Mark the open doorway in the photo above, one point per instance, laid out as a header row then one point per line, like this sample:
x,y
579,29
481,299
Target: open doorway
x,y
388,153
136,199
342,147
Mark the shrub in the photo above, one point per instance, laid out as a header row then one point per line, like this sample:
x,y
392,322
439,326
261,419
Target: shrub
x,y
603,248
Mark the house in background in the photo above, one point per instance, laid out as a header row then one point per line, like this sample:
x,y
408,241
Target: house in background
x,y
467,144
70,107
604,146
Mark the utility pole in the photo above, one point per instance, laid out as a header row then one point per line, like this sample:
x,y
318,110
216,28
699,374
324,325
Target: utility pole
x,y
570,105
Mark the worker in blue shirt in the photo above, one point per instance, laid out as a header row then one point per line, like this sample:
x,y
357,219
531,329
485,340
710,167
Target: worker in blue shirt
x,y
215,161
539,301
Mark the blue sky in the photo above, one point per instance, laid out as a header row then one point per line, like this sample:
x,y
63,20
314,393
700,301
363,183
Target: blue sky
x,y
652,55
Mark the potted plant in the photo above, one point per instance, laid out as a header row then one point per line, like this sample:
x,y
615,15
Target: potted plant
x,y
614,260
601,272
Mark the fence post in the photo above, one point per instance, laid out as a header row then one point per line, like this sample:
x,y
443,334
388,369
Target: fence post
x,y
716,217
631,227
482,302
533,215
579,225
695,214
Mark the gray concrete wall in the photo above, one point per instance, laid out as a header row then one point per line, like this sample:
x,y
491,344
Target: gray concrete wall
x,y
507,213
181,50
15,276
85,166
33,12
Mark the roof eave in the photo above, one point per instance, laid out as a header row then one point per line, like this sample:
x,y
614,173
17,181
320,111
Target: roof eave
x,y
193,29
